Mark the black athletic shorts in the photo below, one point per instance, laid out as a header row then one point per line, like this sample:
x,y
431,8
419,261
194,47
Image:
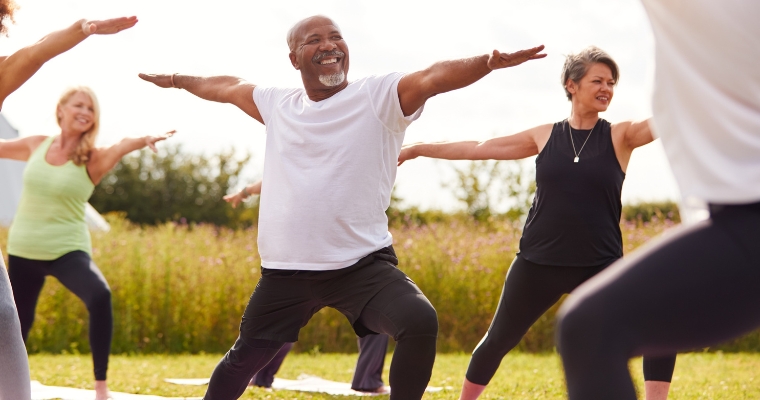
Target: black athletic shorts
x,y
285,300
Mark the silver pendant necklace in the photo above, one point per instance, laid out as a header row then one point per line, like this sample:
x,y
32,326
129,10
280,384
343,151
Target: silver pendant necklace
x,y
578,153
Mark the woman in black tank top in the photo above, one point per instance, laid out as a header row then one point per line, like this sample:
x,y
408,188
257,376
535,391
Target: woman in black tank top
x,y
572,231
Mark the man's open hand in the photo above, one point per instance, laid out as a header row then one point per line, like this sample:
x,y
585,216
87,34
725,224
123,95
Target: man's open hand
x,y
499,60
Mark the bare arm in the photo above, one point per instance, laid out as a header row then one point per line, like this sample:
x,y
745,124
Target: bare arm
x,y
638,133
20,149
221,89
103,160
627,136
512,147
21,65
414,89
248,191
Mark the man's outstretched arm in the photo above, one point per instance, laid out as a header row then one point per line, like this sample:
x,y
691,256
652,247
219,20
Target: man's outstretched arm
x,y
222,89
414,89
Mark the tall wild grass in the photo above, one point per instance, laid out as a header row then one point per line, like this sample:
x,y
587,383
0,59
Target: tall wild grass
x,y
183,289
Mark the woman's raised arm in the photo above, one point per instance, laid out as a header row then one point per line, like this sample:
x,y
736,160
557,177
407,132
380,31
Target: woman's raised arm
x,y
513,147
21,65
104,159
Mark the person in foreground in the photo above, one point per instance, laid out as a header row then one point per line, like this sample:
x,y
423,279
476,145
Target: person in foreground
x,y
14,71
697,286
49,235
330,164
368,374
572,230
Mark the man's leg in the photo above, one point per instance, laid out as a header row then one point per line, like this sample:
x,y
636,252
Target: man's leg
x,y
368,375
403,312
277,309
231,376
693,289
265,376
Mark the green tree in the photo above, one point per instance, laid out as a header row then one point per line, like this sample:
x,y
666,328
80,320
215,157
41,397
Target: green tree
x,y
484,184
174,186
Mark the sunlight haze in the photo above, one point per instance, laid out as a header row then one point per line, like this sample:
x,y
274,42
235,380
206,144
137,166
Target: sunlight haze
x,y
247,39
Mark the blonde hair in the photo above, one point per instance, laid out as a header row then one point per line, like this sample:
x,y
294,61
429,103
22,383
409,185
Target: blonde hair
x,y
81,154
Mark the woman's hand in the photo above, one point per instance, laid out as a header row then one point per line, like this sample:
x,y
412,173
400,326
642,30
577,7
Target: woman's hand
x,y
235,199
150,141
407,153
108,26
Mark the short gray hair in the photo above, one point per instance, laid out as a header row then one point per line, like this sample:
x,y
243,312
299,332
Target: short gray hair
x,y
577,65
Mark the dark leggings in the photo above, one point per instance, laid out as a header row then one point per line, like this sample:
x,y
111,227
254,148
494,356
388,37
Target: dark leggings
x,y
529,291
82,277
265,377
368,374
692,289
399,310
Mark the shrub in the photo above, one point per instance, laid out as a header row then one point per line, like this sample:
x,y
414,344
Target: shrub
x,y
174,186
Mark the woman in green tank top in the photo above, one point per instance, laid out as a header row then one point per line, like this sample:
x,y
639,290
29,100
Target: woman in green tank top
x,y
49,235
14,71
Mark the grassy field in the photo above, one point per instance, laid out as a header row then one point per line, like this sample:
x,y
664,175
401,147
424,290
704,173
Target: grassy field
x,y
521,376
182,289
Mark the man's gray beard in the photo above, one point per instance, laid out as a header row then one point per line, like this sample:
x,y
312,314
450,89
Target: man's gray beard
x,y
332,80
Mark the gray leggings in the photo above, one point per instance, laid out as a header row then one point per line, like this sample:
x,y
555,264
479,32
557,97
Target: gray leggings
x,y
14,367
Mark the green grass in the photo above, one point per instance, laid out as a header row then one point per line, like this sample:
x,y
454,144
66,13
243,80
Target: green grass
x,y
521,376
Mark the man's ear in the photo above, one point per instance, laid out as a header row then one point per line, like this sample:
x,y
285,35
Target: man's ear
x,y
294,60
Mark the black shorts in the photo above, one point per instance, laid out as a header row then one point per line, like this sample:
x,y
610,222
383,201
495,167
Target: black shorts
x,y
285,300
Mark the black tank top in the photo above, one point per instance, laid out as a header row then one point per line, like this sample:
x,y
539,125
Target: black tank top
x,y
575,216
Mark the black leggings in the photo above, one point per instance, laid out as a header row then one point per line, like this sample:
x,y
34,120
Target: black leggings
x,y
79,274
368,374
530,289
694,288
399,310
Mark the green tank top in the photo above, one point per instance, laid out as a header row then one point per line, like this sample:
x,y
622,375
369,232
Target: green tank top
x,y
50,220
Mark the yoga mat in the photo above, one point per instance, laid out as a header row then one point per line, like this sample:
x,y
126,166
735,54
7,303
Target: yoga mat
x,y
305,383
42,392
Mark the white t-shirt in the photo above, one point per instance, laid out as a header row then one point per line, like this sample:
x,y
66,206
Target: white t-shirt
x,y
328,173
707,95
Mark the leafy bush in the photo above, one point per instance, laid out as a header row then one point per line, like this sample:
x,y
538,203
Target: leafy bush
x,y
657,211
174,186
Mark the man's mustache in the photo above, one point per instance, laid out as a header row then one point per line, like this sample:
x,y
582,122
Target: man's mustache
x,y
334,53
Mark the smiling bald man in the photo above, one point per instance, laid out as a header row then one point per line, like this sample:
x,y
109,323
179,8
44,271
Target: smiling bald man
x,y
331,158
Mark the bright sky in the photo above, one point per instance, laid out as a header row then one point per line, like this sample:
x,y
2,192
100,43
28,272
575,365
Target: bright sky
x,y
247,39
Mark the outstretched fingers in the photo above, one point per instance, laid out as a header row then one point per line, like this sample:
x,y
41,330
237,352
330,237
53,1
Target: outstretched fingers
x,y
108,26
152,140
503,60
160,80
233,199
